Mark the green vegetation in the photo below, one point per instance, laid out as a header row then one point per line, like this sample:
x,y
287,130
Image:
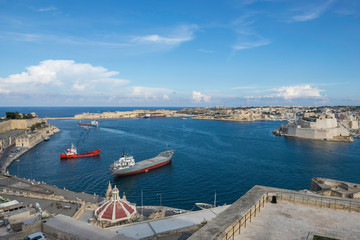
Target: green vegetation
x,y
37,126
17,115
316,237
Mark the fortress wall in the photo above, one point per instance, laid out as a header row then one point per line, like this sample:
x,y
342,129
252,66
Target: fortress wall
x,y
25,123
326,123
304,133
5,126
342,131
354,124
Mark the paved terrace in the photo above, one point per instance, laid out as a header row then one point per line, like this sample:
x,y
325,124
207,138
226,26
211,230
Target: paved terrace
x,y
286,220
248,212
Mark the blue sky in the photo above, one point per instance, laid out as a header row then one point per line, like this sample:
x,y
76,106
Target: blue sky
x,y
179,53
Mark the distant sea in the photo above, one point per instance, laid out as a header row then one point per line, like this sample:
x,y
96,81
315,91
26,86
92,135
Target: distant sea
x,y
228,158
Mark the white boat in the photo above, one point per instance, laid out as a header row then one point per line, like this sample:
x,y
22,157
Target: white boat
x,y
206,205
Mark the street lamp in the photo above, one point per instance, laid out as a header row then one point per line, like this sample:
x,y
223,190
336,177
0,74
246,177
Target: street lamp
x,y
159,194
18,166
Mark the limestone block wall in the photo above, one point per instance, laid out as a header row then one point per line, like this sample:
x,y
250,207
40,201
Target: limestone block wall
x,y
305,133
25,123
9,125
5,126
341,131
326,123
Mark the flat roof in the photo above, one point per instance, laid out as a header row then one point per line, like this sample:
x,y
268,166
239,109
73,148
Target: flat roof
x,y
285,220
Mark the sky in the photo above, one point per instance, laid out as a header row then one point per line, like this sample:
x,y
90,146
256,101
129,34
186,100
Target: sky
x,y
184,53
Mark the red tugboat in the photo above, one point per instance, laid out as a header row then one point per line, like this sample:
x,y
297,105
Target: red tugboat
x,y
72,153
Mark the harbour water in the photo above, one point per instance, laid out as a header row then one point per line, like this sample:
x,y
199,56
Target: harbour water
x,y
226,157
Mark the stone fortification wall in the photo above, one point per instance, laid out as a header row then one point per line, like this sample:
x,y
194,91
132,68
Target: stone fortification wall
x,y
25,123
5,126
13,124
325,123
317,134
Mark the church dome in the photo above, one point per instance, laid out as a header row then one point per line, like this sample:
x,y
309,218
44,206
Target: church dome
x,y
116,209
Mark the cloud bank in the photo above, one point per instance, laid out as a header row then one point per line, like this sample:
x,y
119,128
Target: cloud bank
x,y
198,97
297,91
62,77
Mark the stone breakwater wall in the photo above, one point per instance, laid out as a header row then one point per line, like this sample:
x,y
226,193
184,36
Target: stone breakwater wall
x,y
128,114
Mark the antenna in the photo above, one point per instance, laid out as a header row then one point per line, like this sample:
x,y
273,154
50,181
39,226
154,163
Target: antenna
x,y
215,199
142,204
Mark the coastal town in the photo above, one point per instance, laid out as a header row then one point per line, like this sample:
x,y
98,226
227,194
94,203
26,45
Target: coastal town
x,y
317,123
29,206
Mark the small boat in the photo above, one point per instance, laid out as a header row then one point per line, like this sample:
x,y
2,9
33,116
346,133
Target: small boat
x,y
204,206
126,164
93,123
46,138
72,153
183,118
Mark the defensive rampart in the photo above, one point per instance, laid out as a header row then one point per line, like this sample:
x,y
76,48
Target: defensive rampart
x,y
14,124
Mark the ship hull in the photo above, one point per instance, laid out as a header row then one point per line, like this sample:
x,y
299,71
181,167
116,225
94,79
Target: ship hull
x,y
80,155
145,165
84,124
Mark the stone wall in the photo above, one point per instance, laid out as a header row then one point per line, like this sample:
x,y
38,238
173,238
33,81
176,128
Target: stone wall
x,y
5,126
25,123
13,124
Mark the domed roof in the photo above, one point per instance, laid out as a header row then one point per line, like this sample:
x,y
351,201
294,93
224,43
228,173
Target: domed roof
x,y
116,209
115,190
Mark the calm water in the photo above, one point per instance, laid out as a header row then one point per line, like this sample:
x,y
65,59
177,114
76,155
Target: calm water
x,y
229,157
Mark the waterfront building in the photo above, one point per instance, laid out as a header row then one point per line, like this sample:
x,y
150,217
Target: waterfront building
x,y
115,211
28,140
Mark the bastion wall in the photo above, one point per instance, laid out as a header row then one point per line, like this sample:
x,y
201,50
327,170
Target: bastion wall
x,y
13,124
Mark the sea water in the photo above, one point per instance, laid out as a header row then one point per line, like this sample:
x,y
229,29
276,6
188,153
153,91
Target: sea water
x,y
228,158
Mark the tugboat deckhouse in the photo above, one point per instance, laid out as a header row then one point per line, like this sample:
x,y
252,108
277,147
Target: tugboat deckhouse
x,y
115,210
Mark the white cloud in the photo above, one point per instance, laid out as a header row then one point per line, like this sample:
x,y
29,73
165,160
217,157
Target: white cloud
x,y
313,12
247,36
63,77
198,97
205,50
46,9
246,45
148,93
243,87
297,91
4,91
181,34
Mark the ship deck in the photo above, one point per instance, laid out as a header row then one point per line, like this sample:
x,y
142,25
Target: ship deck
x,y
159,158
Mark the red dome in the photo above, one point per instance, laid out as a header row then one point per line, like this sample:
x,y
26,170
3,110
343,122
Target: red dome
x,y
116,209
